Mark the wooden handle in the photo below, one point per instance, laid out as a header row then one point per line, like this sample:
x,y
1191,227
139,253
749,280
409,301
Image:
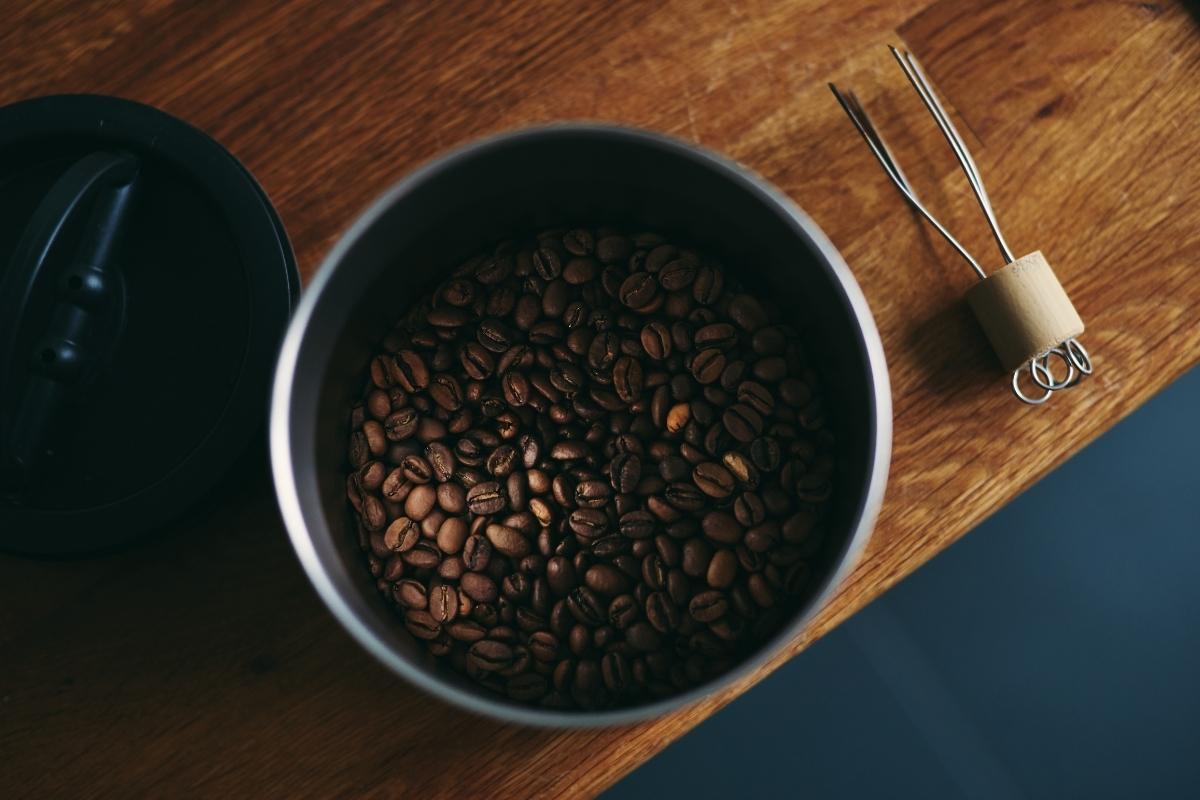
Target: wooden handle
x,y
1024,310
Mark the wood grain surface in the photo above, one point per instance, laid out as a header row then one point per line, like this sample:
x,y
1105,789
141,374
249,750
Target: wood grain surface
x,y
200,663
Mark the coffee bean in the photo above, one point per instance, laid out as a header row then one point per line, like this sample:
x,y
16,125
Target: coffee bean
x,y
452,498
420,502
678,417
722,569
443,603
719,335
661,612
707,366
708,606
606,580
708,284
409,371
560,574
586,606
411,594
685,497
625,471
588,523
402,535
422,625
637,525
416,469
763,537
678,274
765,453
771,369
696,555
488,655
452,535
742,422
592,494
400,425
638,290
507,541
479,587
720,526
756,396
486,498
713,479
656,340
423,555
627,379
748,509
642,636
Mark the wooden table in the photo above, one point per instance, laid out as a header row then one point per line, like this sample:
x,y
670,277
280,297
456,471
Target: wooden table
x,y
201,663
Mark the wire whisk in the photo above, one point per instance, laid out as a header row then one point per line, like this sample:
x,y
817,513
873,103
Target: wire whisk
x,y
1022,307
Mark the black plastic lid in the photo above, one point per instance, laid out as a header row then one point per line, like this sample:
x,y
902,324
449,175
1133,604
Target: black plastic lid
x,y
145,283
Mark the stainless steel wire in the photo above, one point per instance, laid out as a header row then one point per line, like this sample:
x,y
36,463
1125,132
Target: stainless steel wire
x,y
1071,352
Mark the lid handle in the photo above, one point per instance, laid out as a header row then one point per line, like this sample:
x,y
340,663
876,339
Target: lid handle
x,y
57,325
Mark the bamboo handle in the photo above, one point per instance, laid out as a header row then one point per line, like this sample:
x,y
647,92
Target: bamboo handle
x,y
1024,310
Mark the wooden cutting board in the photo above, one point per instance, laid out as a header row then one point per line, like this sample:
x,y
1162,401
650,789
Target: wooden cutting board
x,y
201,663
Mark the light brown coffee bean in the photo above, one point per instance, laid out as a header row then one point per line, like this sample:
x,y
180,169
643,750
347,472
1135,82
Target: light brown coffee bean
x,y
420,502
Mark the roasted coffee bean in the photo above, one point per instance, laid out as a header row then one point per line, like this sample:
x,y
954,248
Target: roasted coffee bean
x,y
452,498
708,284
708,606
606,580
713,479
719,335
486,498
411,594
638,290
625,472
661,612
402,535
678,274
748,509
592,494
479,587
697,553
400,425
722,569
763,537
742,422
502,461
560,574
642,636
477,362
420,502
637,525
586,606
507,541
488,655
588,523
547,260
423,555
707,366
409,371
685,497
443,603
627,379
422,625
416,469
452,535
765,453
656,340
720,526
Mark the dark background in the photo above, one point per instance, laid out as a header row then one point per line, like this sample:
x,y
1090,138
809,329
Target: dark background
x,y
1053,652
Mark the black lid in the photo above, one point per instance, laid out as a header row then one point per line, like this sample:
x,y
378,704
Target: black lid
x,y
145,283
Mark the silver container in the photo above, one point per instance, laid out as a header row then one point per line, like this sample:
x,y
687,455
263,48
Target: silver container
x,y
525,180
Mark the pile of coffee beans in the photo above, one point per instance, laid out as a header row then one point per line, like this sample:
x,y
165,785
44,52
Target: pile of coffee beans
x,y
590,469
